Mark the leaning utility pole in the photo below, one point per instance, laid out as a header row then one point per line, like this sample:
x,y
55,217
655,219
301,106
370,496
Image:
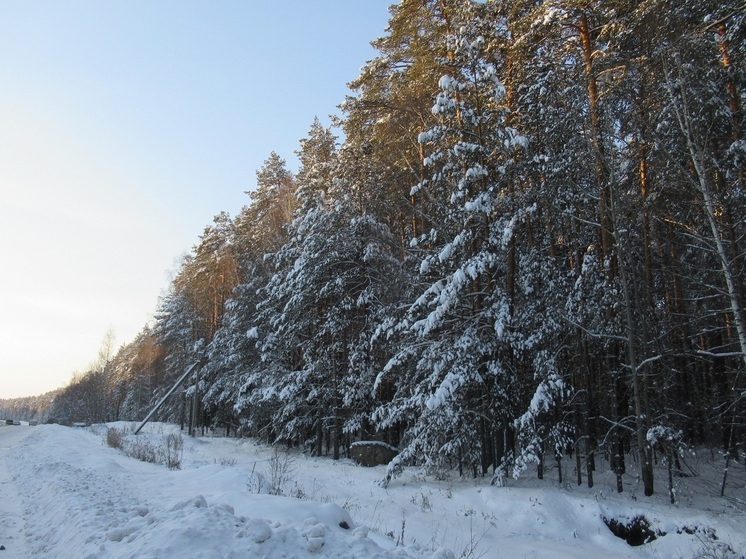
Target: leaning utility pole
x,y
179,382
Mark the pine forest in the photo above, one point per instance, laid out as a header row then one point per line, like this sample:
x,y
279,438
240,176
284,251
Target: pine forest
x,y
523,240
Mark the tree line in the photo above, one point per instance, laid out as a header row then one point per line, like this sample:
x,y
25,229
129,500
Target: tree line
x,y
529,243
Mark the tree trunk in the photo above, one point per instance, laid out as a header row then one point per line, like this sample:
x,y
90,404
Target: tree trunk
x,y
638,396
337,435
605,233
540,467
734,103
193,421
702,184
319,435
671,492
725,474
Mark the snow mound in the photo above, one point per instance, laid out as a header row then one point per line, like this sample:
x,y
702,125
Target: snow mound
x,y
85,500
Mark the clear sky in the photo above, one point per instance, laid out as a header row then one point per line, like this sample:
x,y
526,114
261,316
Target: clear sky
x,y
124,128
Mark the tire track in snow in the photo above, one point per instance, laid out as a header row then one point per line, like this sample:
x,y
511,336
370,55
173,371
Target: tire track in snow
x,y
56,495
12,541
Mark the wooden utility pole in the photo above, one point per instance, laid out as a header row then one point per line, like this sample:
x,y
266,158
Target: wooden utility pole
x,y
178,383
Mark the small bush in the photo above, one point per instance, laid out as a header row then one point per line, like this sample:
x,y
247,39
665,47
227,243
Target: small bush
x,y
256,482
169,453
423,501
277,476
173,450
298,492
281,466
716,550
114,438
143,451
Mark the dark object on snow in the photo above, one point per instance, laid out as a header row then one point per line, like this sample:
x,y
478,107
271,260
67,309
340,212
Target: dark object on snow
x,y
344,525
372,453
636,531
2,548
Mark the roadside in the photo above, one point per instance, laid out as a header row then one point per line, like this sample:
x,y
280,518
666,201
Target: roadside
x,y
12,523
76,495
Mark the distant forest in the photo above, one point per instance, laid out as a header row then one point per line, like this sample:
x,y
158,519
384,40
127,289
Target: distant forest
x,y
530,243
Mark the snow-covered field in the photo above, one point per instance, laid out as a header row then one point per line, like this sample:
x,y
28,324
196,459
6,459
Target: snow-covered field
x,y
64,493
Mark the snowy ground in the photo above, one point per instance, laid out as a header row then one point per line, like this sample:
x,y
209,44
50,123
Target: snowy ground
x,y
64,493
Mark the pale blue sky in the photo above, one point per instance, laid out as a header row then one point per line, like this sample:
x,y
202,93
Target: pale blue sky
x,y
125,126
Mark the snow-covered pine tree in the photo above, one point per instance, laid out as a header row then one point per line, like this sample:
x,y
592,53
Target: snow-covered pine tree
x,y
297,359
454,374
259,232
177,329
391,106
320,302
702,78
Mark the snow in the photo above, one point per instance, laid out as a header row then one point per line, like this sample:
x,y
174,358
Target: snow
x,y
450,385
373,443
65,494
448,83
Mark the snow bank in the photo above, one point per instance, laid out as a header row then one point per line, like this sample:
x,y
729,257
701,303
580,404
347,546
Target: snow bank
x,y
81,499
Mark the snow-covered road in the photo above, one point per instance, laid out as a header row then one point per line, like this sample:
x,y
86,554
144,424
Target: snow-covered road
x,y
12,542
